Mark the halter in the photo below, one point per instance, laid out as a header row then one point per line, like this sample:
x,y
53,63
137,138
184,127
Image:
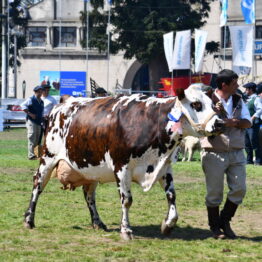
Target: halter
x,y
199,127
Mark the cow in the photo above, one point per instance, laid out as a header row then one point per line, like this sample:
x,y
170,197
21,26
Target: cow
x,y
123,139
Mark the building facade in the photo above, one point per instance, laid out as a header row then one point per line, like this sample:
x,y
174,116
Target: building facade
x,y
51,50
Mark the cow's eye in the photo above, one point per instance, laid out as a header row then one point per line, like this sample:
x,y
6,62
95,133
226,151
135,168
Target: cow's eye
x,y
197,106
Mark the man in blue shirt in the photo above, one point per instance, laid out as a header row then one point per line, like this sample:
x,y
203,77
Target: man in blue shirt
x,y
34,107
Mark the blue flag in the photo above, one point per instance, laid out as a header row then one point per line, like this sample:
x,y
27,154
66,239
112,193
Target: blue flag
x,y
248,11
223,16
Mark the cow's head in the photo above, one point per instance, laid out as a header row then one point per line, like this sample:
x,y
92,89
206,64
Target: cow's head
x,y
198,118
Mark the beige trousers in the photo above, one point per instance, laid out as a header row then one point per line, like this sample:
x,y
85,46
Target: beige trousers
x,y
215,166
33,136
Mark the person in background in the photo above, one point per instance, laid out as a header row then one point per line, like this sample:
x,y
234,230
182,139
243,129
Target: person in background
x,y
100,92
257,121
33,107
224,154
251,137
49,103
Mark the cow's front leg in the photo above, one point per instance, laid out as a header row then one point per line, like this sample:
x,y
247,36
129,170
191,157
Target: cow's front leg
x,y
172,216
89,194
123,178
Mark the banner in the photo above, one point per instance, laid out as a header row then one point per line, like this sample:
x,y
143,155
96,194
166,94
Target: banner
x,y
168,47
200,45
242,45
65,82
248,11
181,54
223,16
183,82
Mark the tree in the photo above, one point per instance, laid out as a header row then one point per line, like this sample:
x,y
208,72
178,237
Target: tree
x,y
138,28
18,19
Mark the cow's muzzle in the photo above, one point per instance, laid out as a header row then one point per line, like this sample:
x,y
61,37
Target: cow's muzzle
x,y
219,126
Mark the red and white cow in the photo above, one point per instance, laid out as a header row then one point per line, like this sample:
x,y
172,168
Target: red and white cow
x,y
123,139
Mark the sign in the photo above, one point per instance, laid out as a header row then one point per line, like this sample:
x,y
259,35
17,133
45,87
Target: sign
x,y
183,82
258,47
73,83
65,82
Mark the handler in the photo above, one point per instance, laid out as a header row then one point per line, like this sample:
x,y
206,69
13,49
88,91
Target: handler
x,y
33,107
224,154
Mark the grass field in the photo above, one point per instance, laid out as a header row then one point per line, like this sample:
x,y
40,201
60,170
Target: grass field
x,y
63,231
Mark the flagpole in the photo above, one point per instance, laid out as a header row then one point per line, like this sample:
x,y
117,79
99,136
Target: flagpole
x,y
254,63
86,10
108,44
225,35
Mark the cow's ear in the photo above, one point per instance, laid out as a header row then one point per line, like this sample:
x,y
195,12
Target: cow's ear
x,y
180,93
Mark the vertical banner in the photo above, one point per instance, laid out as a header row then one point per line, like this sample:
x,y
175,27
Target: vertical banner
x,y
248,11
223,16
168,47
200,45
181,54
242,39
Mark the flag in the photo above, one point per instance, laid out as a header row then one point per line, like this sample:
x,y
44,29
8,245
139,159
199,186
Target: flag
x,y
181,54
242,39
200,45
248,11
223,16
168,47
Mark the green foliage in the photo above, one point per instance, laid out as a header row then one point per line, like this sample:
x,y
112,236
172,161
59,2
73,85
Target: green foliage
x,y
18,20
63,231
138,26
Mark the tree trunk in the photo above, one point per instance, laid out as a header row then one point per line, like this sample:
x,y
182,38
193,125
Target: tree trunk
x,y
157,69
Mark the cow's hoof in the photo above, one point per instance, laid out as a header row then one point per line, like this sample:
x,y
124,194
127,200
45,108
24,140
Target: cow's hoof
x,y
165,229
29,225
100,226
127,236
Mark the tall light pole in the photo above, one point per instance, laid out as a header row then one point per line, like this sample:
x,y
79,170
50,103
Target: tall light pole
x,y
4,51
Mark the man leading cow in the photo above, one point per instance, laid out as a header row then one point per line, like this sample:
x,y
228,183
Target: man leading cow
x,y
224,154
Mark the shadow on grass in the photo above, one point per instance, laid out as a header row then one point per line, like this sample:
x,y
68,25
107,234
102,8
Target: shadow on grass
x,y
183,233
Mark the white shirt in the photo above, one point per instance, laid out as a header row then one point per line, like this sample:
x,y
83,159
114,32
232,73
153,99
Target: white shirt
x,y
258,107
228,106
49,103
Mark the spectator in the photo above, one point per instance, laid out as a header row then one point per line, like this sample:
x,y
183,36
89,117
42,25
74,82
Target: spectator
x,y
49,103
33,107
224,154
251,137
257,121
100,92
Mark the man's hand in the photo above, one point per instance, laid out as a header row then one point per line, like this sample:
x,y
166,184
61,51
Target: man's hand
x,y
238,123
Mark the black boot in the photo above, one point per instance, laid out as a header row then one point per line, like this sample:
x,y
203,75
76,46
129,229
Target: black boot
x,y
225,216
214,222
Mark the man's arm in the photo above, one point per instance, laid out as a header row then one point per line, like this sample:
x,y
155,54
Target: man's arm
x,y
238,123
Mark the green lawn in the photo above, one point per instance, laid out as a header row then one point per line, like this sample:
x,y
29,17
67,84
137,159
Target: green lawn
x,y
63,231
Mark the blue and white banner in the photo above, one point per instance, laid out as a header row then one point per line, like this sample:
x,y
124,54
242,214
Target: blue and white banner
x,y
168,47
248,11
223,16
181,54
200,45
242,39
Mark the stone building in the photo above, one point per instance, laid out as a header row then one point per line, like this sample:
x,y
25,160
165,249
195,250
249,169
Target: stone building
x,y
45,53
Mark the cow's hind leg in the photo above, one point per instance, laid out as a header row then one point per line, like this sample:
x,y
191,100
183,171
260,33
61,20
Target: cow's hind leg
x,y
172,216
89,194
40,180
123,178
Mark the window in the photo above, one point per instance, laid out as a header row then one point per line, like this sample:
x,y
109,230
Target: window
x,y
68,36
258,32
36,36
